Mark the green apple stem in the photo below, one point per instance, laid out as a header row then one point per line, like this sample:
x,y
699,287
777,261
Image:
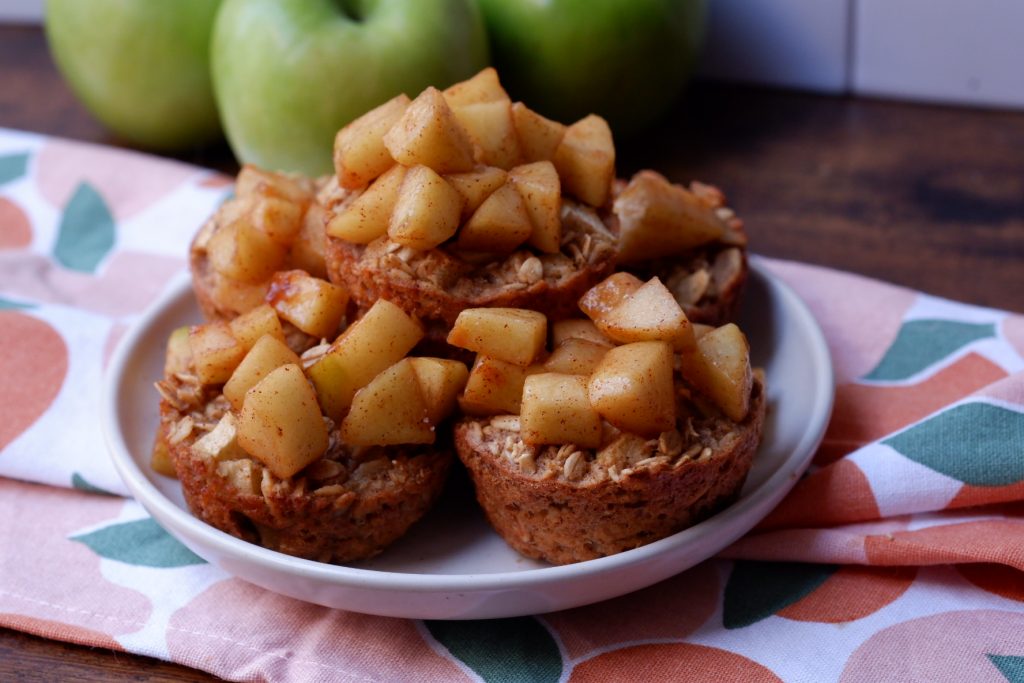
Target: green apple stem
x,y
355,10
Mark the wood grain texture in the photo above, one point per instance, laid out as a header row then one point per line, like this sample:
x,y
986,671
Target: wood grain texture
x,y
924,196
34,97
929,197
28,659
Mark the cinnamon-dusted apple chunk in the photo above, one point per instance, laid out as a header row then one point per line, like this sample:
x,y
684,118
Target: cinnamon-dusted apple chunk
x,y
632,388
280,423
265,356
645,438
576,356
494,387
370,345
485,112
426,212
268,454
513,335
585,159
359,151
368,216
428,134
314,306
539,137
557,410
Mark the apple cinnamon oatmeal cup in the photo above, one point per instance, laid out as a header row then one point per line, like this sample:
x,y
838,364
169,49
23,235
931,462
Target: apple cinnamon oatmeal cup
x,y
271,224
685,235
264,249
463,199
466,199
331,455
636,425
566,503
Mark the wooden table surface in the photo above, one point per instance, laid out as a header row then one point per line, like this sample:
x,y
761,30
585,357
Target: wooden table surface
x,y
925,196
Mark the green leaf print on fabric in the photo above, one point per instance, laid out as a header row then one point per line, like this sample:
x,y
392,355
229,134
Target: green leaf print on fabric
x,y
79,482
12,167
7,305
507,650
1010,666
921,343
86,231
757,590
142,542
977,443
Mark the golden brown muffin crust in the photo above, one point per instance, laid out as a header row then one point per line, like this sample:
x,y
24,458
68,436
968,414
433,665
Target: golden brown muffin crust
x,y
347,506
566,504
436,285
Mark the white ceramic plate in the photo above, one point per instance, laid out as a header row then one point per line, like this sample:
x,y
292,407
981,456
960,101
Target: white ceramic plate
x,y
451,565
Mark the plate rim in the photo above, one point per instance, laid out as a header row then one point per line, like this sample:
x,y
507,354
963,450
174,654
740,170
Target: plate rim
x,y
182,523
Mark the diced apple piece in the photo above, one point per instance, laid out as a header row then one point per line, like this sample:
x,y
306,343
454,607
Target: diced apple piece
x,y
279,219
556,410
242,252
388,411
490,127
178,356
483,87
659,219
160,457
250,180
255,181
441,381
382,337
266,355
602,298
359,151
633,389
585,159
576,357
236,296
221,442
499,225
308,247
650,313
244,475
720,369
494,387
541,190
539,137
428,133
689,287
255,323
578,329
215,351
367,217
313,305
484,109
427,211
476,186
280,422
514,335
699,330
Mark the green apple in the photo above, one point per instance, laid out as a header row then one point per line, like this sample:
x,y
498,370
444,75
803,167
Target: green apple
x,y
289,73
626,60
140,66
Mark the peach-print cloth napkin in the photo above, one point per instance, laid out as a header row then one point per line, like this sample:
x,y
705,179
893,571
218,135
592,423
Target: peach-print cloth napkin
x,y
900,556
